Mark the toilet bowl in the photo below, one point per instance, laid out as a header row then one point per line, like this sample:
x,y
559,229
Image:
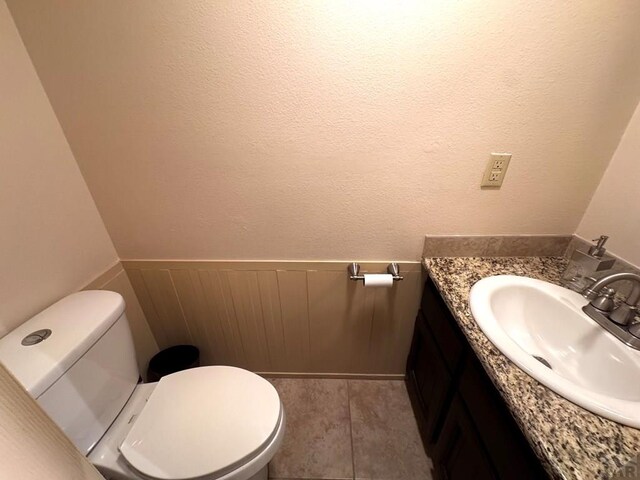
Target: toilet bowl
x,y
206,423
203,423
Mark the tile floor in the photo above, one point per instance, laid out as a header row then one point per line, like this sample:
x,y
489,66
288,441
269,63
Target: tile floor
x,y
348,429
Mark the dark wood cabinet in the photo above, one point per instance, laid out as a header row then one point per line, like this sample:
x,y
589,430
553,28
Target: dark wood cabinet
x,y
466,428
510,453
459,453
431,381
450,340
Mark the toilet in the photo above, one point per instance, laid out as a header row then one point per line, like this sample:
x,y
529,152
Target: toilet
x,y
77,359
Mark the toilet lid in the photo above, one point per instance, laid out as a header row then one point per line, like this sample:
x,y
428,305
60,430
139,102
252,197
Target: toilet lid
x,y
202,421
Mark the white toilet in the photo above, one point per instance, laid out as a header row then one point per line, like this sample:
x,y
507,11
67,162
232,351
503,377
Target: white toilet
x,y
206,423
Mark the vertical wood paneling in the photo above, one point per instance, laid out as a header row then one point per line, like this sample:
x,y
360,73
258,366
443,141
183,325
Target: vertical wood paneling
x,y
245,294
292,319
339,326
147,304
173,328
272,318
360,352
221,310
195,312
328,305
210,320
292,286
392,328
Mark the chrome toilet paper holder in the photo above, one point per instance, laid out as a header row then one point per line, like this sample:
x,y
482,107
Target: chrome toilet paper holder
x,y
393,269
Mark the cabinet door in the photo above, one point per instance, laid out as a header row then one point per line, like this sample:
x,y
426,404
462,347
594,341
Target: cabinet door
x,y
510,453
459,453
444,328
429,382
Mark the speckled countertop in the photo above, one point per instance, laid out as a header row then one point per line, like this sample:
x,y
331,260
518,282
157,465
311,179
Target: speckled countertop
x,y
571,442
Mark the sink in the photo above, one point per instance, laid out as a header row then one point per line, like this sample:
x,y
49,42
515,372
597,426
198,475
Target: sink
x,y
542,329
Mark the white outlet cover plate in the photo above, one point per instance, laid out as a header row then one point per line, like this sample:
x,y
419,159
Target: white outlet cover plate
x,y
496,170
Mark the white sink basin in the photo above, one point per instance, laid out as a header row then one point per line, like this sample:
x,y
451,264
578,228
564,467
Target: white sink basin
x,y
536,323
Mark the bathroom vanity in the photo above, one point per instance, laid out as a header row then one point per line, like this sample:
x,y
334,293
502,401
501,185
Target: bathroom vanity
x,y
468,431
480,416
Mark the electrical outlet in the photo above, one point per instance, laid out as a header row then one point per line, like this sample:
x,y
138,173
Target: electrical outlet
x,y
498,163
494,176
496,170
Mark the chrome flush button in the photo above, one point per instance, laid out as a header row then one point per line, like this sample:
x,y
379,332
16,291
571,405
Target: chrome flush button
x,y
36,337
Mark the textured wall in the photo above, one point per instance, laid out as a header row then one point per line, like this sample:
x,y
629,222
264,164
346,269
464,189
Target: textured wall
x,y
615,207
32,447
52,240
335,129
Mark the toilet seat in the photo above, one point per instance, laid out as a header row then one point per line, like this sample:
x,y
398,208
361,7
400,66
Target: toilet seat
x,y
203,423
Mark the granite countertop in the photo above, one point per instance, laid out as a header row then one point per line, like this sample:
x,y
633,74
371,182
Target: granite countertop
x,y
571,442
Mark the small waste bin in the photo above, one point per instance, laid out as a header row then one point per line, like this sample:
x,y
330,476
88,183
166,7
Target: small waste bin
x,y
172,360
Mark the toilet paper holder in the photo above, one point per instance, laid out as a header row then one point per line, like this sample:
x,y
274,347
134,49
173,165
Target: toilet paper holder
x,y
393,269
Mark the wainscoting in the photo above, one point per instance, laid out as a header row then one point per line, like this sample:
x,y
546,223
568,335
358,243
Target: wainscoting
x,y
116,280
281,317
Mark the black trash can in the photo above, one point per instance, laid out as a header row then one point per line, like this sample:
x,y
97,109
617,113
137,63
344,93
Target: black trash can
x,y
172,360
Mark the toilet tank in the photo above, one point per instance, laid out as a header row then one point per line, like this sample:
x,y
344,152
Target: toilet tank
x,y
84,371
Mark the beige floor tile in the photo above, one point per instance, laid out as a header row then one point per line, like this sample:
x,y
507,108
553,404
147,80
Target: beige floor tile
x,y
317,441
386,441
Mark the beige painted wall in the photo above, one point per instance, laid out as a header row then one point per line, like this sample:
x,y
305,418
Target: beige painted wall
x,y
335,129
615,207
52,240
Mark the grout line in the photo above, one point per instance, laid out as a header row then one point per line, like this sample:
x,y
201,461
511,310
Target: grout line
x,y
353,455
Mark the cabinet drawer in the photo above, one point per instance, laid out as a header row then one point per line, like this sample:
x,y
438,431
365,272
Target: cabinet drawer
x,y
446,332
505,444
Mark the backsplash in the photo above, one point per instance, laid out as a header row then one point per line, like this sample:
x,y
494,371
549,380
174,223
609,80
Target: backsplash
x,y
495,245
518,246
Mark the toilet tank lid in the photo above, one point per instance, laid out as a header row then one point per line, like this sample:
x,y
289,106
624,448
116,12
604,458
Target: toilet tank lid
x,y
76,323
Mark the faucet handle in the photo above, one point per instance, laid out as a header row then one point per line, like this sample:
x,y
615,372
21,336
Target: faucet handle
x,y
634,328
624,314
604,300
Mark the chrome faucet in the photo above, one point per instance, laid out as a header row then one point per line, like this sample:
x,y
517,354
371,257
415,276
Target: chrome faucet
x,y
623,315
617,320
